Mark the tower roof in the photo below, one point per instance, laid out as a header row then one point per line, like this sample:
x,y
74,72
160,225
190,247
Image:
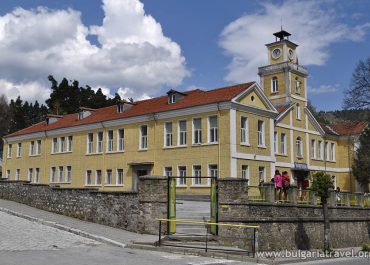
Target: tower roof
x,y
282,34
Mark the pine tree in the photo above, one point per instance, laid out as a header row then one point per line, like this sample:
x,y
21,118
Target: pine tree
x,y
361,167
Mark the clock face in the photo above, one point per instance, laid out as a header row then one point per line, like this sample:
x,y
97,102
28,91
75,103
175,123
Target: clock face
x,y
276,53
290,54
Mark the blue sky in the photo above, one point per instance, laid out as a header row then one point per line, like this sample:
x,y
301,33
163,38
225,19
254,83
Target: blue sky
x,y
141,49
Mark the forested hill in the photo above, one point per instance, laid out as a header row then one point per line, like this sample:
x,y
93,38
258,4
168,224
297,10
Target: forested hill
x,y
329,117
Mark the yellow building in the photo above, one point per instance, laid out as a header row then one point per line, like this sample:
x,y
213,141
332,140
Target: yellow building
x,y
241,131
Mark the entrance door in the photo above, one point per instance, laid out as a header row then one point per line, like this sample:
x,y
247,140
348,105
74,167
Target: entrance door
x,y
138,171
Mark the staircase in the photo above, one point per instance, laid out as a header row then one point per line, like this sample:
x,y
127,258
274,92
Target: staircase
x,y
195,211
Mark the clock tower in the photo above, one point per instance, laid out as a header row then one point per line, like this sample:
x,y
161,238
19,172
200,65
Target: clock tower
x,y
283,79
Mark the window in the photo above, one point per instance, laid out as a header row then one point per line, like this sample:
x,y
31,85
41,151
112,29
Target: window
x,y
313,148
30,174
213,129
69,174
182,133
326,153
98,177
52,174
299,147
245,172
332,152
319,146
62,144
297,85
275,142
283,143
60,174
90,143
32,148
261,174
88,177
54,148
108,179
120,108
121,140
274,85
244,137
298,111
9,150
38,147
8,174
19,149
99,144
119,176
17,174
143,137
168,171
182,175
37,175
69,143
197,173
172,98
168,134
110,141
261,133
197,131
80,115
213,172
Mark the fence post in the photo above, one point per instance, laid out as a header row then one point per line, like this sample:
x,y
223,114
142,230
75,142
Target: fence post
x,y
346,198
360,199
269,192
292,194
332,198
312,198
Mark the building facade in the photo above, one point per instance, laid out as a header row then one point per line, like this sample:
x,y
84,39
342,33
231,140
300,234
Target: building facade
x,y
242,131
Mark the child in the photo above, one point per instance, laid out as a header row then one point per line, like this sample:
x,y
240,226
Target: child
x,y
278,179
286,184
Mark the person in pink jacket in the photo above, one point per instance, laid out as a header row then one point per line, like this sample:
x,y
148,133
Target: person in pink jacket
x,y
278,179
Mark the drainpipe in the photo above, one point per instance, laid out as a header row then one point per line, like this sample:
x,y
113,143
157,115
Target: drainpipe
x,y
155,149
349,162
219,139
104,171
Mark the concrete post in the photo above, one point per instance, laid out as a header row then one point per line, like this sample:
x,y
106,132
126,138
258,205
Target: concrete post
x,y
332,201
269,192
312,198
292,194
346,198
360,199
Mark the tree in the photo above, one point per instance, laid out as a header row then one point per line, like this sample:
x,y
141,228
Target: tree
x,y
321,185
361,166
5,117
358,95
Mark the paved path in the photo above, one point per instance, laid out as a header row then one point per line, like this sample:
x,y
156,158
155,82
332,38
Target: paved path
x,y
115,234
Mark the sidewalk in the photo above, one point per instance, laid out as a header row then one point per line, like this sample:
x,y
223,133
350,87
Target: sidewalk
x,y
107,234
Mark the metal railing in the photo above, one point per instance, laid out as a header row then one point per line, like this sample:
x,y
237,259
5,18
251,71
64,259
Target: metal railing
x,y
367,201
254,239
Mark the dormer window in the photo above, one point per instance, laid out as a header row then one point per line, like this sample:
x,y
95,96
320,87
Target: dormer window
x,y
50,118
124,105
120,108
84,112
80,115
174,96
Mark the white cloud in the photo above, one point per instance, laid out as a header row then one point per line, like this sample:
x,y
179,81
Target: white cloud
x,y
132,50
323,89
29,91
314,26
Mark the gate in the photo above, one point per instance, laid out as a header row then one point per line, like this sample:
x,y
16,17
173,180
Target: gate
x,y
171,203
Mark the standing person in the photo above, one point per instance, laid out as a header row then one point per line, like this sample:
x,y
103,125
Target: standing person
x,y
278,179
286,184
261,188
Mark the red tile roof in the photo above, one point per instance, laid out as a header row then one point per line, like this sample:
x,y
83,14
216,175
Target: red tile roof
x,y
144,107
346,128
282,107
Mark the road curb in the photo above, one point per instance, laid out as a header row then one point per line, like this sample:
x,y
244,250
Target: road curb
x,y
64,228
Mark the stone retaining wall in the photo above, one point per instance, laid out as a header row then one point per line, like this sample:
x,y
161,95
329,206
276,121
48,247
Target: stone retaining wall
x,y
288,226
132,211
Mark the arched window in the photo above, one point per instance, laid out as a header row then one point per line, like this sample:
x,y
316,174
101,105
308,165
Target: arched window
x,y
297,85
299,147
274,85
298,111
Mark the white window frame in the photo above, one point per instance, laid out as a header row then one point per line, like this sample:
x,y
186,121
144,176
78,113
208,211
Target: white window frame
x,y
54,146
9,154
98,177
261,169
90,143
320,149
181,181
60,174
274,85
118,177
37,175
19,149
99,142
53,171
109,178
168,134
212,131
244,130
298,112
297,85
110,133
30,174
212,172
121,139
88,178
32,148
182,134
197,132
172,98
245,172
62,144
197,175
168,171
276,144
326,151
299,146
68,178
143,141
332,151
261,134
69,143
283,143
17,174
38,147
313,148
